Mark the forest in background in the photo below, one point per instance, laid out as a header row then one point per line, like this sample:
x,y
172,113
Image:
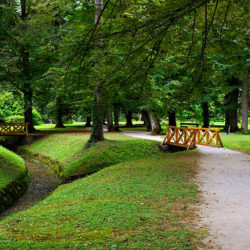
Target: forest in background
x,y
109,60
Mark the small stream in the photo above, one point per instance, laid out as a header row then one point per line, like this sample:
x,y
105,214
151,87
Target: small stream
x,y
42,183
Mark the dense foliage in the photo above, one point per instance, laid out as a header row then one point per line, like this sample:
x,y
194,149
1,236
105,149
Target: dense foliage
x,y
77,59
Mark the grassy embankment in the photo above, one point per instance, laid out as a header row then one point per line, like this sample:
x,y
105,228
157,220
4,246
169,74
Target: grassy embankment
x,y
66,155
13,177
140,204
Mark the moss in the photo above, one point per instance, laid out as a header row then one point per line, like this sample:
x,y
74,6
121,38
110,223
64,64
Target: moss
x,y
14,178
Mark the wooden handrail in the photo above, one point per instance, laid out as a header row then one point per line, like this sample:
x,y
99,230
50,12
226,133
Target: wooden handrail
x,y
189,137
18,128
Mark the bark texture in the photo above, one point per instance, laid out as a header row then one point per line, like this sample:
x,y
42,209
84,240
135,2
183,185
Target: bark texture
x,y
146,120
245,94
59,113
116,117
232,105
155,123
110,117
205,114
97,115
97,109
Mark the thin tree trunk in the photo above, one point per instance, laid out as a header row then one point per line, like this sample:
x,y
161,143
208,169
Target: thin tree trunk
x,y
156,126
146,120
171,118
116,117
129,122
110,117
59,122
245,102
88,121
205,114
27,90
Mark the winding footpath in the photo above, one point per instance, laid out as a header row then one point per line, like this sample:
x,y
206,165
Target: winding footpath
x,y
42,183
224,179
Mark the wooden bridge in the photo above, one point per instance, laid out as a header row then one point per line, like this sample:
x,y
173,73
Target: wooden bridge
x,y
14,129
189,137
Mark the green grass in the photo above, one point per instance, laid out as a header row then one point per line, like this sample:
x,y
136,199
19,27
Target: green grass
x,y
11,167
236,141
68,127
147,203
70,159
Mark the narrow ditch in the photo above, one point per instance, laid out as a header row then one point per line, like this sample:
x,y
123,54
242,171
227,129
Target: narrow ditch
x,y
42,183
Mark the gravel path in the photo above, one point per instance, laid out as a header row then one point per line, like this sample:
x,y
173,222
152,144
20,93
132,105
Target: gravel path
x,y
224,179
42,183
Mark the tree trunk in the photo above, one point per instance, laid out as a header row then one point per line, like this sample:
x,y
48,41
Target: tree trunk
x,y
146,120
97,115
110,117
27,90
116,117
97,109
88,121
245,102
129,119
205,114
27,94
171,118
59,123
232,105
156,126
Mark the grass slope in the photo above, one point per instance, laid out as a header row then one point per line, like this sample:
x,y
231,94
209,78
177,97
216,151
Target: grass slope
x,y
11,167
147,203
69,158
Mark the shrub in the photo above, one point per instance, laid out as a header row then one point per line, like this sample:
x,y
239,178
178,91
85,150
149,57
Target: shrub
x,y
36,117
15,118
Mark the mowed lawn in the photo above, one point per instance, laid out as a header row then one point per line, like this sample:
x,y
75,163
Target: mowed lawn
x,y
237,142
141,204
66,154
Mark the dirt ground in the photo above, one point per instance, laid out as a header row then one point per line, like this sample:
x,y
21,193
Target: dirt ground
x,y
224,179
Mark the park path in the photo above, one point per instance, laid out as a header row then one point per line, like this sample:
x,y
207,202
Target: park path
x,y
42,183
224,179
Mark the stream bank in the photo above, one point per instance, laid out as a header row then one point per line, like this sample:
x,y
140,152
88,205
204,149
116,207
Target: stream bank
x,y
42,183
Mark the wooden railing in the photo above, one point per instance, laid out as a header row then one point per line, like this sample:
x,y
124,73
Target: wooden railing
x,y
181,136
209,137
189,137
14,128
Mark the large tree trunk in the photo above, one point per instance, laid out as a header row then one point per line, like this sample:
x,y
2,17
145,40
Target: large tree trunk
x,y
88,121
245,102
232,105
97,109
116,117
205,114
110,117
97,115
128,115
156,126
171,118
59,122
146,119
